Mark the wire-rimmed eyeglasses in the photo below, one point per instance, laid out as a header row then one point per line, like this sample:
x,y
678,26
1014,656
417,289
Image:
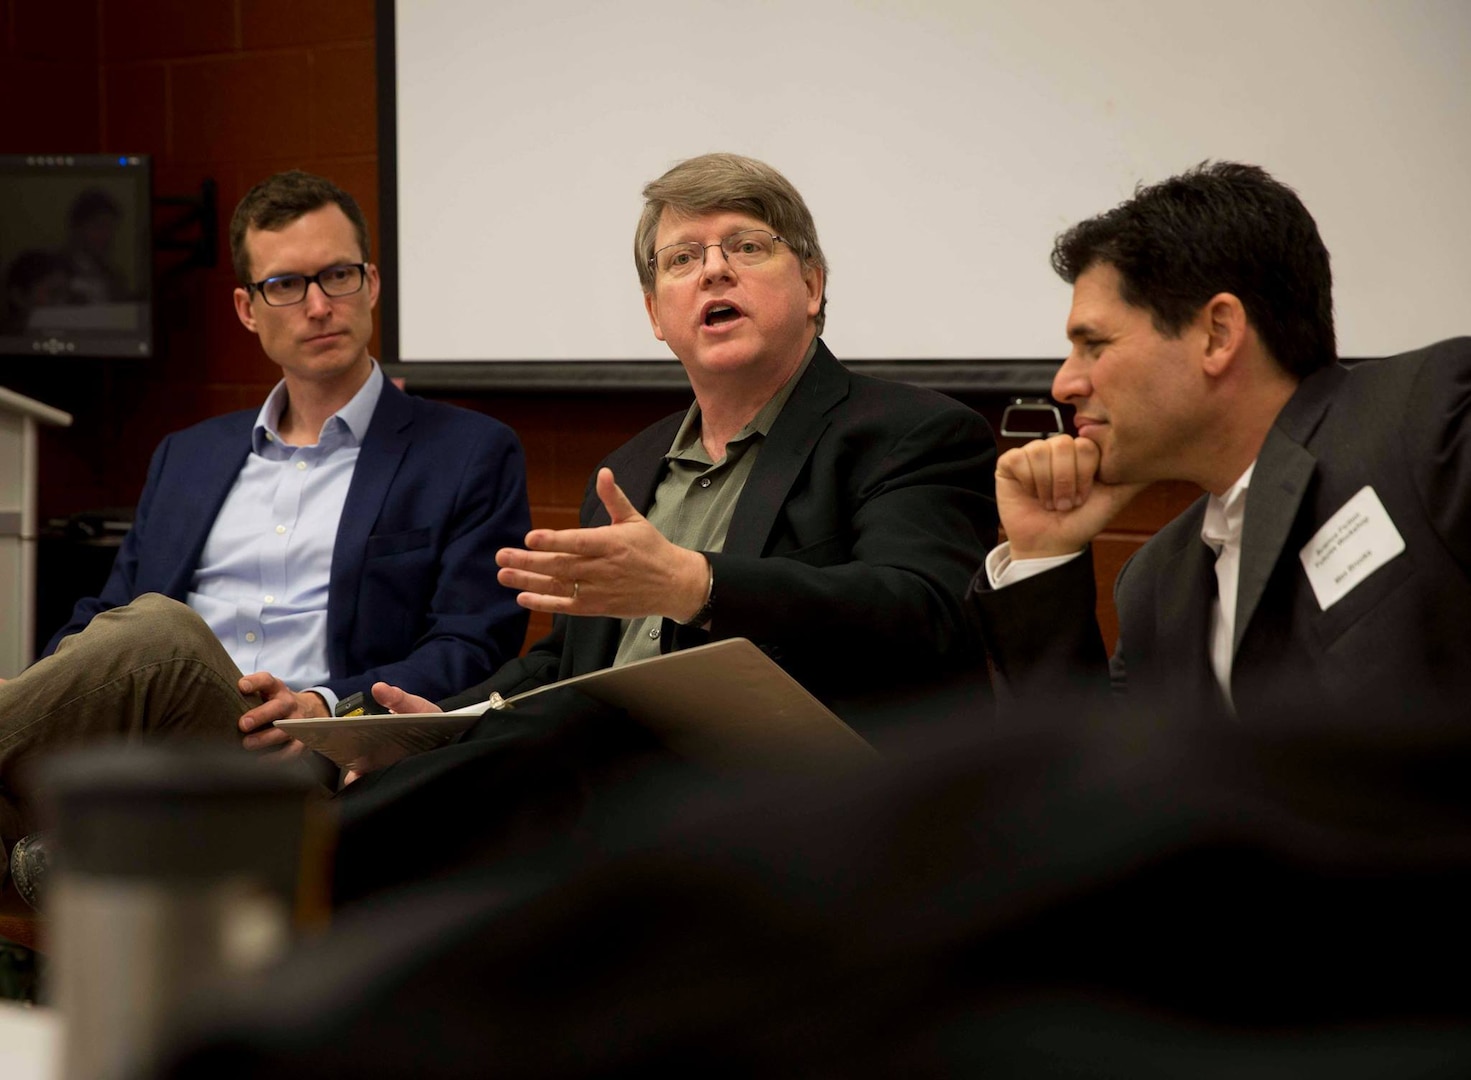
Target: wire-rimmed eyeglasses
x,y
749,247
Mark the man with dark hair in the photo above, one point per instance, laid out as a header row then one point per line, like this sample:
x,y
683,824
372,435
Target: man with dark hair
x,y
1330,561
344,533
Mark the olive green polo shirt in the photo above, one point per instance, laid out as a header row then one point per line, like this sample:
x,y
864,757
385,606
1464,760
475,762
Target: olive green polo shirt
x,y
694,502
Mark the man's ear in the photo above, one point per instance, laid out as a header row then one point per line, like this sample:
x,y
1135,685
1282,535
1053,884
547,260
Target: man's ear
x,y
652,307
1223,321
813,278
243,311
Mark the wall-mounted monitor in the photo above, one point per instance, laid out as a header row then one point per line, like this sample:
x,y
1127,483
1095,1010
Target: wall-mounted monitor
x,y
76,255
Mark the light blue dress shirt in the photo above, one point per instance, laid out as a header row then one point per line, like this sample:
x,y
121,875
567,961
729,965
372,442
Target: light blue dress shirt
x,y
263,575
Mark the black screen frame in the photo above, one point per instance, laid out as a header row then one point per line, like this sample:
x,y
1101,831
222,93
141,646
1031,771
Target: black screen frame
x,y
71,170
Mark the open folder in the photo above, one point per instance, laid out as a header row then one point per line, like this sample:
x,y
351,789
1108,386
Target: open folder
x,y
725,705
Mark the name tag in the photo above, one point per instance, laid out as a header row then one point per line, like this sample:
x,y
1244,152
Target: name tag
x,y
1354,542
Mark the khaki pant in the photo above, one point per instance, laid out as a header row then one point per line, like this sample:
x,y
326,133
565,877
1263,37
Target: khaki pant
x,y
150,669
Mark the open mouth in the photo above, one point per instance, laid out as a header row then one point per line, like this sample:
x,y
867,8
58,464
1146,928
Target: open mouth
x,y
719,314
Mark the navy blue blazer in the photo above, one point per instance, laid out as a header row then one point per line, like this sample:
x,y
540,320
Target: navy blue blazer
x,y
413,598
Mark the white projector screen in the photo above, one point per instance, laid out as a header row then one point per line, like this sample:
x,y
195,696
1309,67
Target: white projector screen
x,y
941,145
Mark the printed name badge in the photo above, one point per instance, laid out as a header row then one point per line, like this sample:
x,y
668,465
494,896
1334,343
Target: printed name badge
x,y
1355,542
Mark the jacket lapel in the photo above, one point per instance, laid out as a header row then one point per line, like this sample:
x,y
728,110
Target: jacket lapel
x,y
785,451
383,449
639,475
1283,471
1182,614
211,477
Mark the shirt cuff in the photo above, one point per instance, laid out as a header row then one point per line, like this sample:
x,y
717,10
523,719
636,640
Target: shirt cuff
x,y
326,695
1002,570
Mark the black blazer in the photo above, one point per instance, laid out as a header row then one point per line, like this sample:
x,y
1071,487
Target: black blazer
x,y
848,556
1400,639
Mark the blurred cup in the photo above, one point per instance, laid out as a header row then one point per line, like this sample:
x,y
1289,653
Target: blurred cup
x,y
173,868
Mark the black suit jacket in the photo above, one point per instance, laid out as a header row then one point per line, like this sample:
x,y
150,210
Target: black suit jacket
x,y
847,560
848,555
1399,640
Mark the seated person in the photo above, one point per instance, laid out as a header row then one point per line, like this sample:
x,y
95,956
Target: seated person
x,y
835,520
342,534
831,518
1329,563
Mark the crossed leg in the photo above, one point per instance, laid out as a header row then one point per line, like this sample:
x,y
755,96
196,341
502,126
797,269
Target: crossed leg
x,y
149,669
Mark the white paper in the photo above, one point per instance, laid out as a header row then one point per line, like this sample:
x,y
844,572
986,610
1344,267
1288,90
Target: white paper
x,y
1351,545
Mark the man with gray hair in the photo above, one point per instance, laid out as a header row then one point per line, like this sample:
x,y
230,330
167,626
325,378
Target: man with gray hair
x,y
831,518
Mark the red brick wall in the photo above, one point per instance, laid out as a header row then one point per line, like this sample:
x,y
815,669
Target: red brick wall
x,y
231,90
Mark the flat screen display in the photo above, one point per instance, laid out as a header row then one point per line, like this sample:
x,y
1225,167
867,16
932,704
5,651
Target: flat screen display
x,y
76,255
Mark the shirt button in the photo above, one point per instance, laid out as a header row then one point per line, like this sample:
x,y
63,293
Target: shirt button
x,y
301,464
270,599
250,637
280,529
653,633
704,481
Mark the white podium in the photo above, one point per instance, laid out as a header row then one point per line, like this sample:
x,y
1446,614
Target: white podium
x,y
19,417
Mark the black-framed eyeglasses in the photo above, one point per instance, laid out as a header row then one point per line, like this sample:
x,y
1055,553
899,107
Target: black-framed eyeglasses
x,y
287,289
749,247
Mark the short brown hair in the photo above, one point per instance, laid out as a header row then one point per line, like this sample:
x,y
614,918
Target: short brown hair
x,y
279,200
729,182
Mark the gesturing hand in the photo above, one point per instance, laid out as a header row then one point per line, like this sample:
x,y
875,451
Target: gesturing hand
x,y
1050,498
625,569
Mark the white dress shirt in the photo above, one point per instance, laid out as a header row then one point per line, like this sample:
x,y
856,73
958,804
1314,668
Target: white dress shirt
x,y
1221,531
264,572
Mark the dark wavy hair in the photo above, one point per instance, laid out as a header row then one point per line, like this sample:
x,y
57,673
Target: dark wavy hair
x,y
1219,227
278,201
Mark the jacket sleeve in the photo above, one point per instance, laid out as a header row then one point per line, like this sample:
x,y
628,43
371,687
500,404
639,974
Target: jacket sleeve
x,y
122,584
472,624
1043,638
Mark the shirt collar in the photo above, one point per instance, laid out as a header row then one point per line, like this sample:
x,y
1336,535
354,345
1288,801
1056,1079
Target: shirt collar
x,y
687,438
355,416
1224,514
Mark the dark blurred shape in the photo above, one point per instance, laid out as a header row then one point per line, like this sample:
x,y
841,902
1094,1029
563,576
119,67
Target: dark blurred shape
x,y
34,279
93,276
1088,896
74,555
174,869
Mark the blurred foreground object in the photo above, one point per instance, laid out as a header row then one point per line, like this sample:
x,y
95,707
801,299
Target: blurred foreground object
x,y
174,870
1107,895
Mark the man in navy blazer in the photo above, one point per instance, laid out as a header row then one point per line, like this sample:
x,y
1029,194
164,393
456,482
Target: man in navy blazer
x,y
344,534
435,492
